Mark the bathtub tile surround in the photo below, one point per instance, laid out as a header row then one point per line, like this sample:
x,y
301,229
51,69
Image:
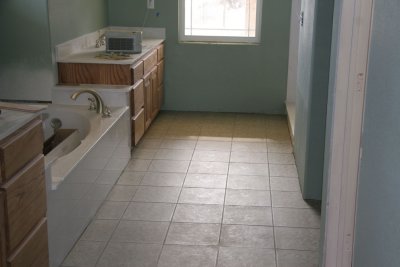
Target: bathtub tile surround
x,y
80,181
205,198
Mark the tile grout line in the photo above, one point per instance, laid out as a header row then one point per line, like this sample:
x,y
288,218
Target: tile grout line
x,y
173,213
272,215
170,222
223,206
119,220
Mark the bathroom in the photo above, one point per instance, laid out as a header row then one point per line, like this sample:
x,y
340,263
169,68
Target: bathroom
x,y
219,176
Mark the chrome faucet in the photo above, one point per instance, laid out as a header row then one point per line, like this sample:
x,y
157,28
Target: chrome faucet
x,y
101,41
100,107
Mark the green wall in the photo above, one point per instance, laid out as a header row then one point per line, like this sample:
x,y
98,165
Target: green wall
x,y
30,29
377,228
72,18
25,58
227,78
312,95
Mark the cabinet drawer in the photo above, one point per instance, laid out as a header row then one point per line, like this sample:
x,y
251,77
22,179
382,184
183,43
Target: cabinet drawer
x,y
160,53
34,249
25,201
137,72
160,72
137,98
138,127
19,148
150,61
87,73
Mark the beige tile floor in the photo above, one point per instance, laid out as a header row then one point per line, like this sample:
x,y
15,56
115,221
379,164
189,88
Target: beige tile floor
x,y
205,189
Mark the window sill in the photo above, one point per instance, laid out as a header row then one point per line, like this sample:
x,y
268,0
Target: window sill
x,y
217,43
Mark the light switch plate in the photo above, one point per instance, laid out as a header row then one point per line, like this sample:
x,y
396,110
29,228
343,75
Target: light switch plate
x,y
150,4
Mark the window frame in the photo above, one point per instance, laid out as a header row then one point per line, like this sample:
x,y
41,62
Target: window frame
x,y
218,39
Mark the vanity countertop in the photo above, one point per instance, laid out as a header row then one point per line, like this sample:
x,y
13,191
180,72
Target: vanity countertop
x,y
12,120
90,54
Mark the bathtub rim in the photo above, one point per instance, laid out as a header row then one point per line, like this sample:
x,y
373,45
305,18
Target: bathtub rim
x,y
63,166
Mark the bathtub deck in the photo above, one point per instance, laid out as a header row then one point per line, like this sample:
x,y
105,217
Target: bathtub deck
x,y
206,189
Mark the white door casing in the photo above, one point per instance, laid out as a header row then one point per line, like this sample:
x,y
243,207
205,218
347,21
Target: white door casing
x,y
347,121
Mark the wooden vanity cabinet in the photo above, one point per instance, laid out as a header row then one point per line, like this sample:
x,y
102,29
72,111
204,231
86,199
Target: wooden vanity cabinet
x,y
23,223
146,75
153,67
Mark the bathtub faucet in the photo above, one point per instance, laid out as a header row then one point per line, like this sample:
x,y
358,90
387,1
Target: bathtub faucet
x,y
100,107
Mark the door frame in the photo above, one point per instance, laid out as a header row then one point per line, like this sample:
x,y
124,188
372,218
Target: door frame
x,y
349,78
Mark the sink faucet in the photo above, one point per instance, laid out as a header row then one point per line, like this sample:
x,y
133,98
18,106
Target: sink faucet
x,y
100,107
101,41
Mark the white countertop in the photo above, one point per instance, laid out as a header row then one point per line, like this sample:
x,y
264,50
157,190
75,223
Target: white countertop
x,y
89,54
96,87
11,120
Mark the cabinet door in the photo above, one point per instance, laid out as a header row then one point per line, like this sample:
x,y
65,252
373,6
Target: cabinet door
x,y
160,52
160,72
148,99
160,93
155,106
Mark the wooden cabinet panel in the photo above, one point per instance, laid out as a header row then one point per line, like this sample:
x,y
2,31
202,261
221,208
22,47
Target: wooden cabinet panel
x,y
154,94
2,233
138,126
25,203
148,99
160,93
19,148
151,102
84,73
150,61
160,52
137,71
34,249
160,72
137,98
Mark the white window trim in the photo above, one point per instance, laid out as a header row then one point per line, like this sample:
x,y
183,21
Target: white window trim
x,y
218,39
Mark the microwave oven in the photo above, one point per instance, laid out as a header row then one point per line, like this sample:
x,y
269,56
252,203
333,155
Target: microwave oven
x,y
123,42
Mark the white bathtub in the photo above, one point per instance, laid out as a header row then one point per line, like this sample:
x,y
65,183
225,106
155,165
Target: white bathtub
x,y
79,181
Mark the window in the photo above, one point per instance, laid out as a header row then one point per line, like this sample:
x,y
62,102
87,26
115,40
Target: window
x,y
230,21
